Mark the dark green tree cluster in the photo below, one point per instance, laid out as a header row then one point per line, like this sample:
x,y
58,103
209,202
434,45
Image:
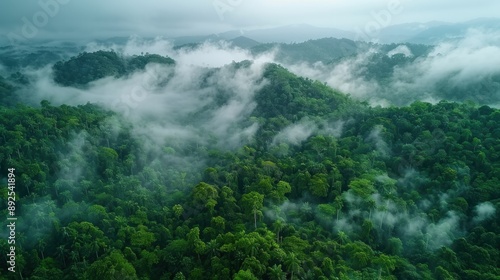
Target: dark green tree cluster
x,y
94,202
88,67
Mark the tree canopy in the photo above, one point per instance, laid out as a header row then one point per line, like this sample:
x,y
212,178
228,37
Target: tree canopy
x,y
368,193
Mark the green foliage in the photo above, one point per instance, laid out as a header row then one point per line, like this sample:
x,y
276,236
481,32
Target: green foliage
x,y
97,204
244,275
114,266
82,69
88,67
139,62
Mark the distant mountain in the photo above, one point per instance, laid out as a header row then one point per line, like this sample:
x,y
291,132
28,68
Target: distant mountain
x,y
244,42
113,41
418,33
291,34
179,41
325,49
405,32
433,32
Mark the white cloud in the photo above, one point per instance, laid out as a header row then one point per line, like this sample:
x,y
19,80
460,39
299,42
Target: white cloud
x,y
381,146
401,49
297,133
484,211
161,99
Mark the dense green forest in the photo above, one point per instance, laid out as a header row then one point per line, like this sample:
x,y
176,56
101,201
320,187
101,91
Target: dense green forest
x,y
88,67
327,188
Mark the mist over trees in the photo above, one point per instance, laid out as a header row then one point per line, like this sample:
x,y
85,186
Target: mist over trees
x,y
135,164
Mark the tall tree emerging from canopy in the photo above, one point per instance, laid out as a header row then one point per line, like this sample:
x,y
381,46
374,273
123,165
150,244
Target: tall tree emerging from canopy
x,y
252,203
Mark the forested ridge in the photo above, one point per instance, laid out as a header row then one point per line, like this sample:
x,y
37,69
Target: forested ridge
x,y
88,67
327,188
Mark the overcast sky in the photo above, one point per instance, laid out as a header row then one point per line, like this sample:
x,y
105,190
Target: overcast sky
x,y
169,18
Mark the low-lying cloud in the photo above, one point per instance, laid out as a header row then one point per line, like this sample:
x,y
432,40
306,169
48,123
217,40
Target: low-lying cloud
x,y
186,101
459,69
297,133
484,211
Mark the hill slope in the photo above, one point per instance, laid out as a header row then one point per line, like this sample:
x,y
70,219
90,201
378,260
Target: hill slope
x,y
325,188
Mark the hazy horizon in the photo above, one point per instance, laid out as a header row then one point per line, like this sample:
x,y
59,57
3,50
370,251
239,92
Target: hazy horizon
x,y
71,20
